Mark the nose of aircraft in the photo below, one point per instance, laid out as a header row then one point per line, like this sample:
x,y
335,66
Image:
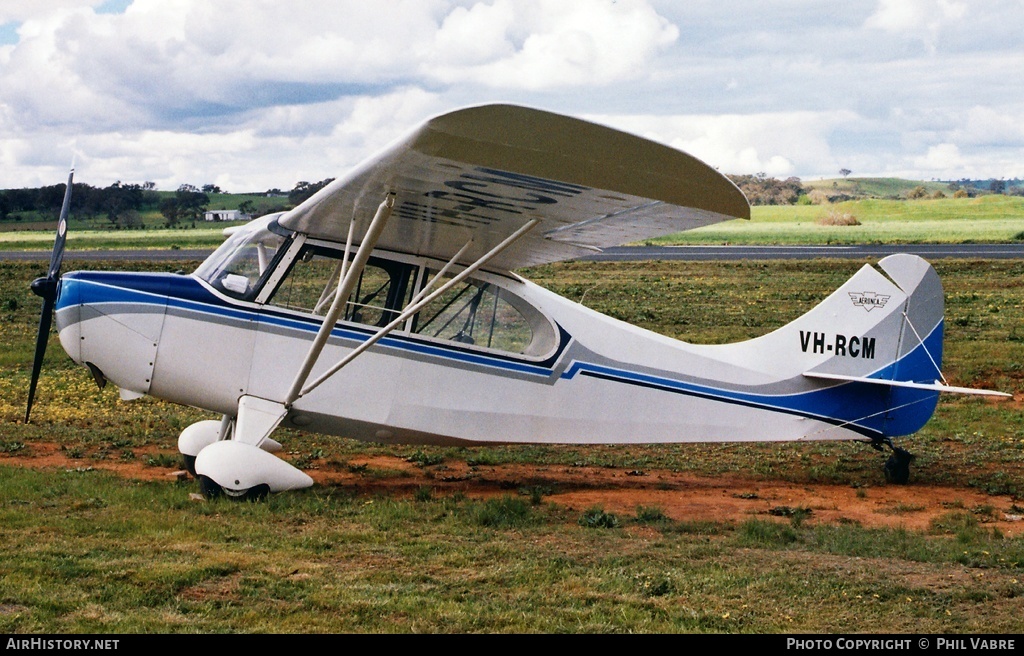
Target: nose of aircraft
x,y
112,322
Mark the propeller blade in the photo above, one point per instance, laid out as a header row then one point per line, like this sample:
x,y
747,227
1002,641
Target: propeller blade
x,y
45,319
62,230
47,289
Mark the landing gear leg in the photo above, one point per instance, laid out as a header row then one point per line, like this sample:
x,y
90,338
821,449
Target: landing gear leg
x,y
897,467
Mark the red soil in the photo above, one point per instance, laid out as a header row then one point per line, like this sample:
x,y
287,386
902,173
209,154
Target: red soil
x,y
683,497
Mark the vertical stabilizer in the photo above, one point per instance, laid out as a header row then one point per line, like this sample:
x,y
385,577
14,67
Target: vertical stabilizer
x,y
906,343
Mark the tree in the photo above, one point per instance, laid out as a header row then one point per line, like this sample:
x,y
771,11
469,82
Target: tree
x,y
187,204
192,203
169,210
120,198
211,189
845,172
247,207
763,190
129,219
304,190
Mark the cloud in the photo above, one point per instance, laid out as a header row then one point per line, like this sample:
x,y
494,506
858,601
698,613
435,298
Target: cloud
x,y
245,157
538,44
986,126
940,158
165,61
261,93
779,144
17,11
920,19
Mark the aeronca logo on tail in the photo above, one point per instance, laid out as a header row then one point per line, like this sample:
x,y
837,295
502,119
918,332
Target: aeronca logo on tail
x,y
848,346
868,300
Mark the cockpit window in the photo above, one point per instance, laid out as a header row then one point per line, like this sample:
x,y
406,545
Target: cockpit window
x,y
476,312
379,295
237,267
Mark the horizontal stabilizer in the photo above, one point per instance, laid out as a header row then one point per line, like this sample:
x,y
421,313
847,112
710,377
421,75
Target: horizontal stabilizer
x,y
936,386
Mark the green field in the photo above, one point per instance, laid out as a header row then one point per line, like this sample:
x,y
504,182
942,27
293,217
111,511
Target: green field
x,y
994,219
203,237
990,218
892,188
85,551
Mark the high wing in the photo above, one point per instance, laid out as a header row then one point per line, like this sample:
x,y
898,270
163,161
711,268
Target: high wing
x,y
480,174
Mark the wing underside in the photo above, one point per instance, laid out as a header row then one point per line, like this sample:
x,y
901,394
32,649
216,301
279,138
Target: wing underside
x,y
479,174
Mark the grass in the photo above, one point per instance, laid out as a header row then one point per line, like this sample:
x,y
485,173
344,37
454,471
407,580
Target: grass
x,y
202,237
86,552
876,187
990,218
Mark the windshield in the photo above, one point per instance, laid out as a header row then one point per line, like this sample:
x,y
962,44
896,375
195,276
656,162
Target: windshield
x,y
241,261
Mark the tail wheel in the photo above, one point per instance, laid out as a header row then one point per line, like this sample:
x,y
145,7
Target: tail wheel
x,y
897,467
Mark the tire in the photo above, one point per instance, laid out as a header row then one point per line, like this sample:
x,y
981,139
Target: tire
x,y
208,488
254,494
897,467
190,464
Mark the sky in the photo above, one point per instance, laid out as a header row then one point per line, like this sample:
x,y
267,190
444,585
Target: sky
x,y
252,95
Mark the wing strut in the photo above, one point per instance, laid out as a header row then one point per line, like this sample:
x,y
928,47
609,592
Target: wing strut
x,y
339,271
414,306
346,283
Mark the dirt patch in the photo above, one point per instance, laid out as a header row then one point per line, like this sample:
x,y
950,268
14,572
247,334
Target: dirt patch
x,y
680,496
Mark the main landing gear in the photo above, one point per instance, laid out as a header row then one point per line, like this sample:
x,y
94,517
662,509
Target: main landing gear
x,y
897,467
226,464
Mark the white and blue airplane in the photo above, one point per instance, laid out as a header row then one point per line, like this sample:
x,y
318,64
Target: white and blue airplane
x,y
387,308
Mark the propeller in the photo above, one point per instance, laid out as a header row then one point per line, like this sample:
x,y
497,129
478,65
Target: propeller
x,y
46,288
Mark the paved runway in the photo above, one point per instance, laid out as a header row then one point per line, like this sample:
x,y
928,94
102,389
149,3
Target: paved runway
x,y
634,253
154,255
866,251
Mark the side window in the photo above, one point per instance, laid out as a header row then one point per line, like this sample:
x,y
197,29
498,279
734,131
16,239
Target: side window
x,y
238,267
478,313
369,302
475,312
310,285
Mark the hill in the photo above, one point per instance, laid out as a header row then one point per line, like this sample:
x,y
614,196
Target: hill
x,y
881,188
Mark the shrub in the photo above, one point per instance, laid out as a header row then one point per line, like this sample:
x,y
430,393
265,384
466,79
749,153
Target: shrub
x,y
650,515
425,459
817,197
759,533
836,218
503,512
598,518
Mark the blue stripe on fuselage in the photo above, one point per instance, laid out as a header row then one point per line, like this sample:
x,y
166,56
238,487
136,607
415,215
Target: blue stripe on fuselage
x,y
185,293
857,406
872,410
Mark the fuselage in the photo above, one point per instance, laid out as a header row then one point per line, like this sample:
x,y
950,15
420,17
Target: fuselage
x,y
536,368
